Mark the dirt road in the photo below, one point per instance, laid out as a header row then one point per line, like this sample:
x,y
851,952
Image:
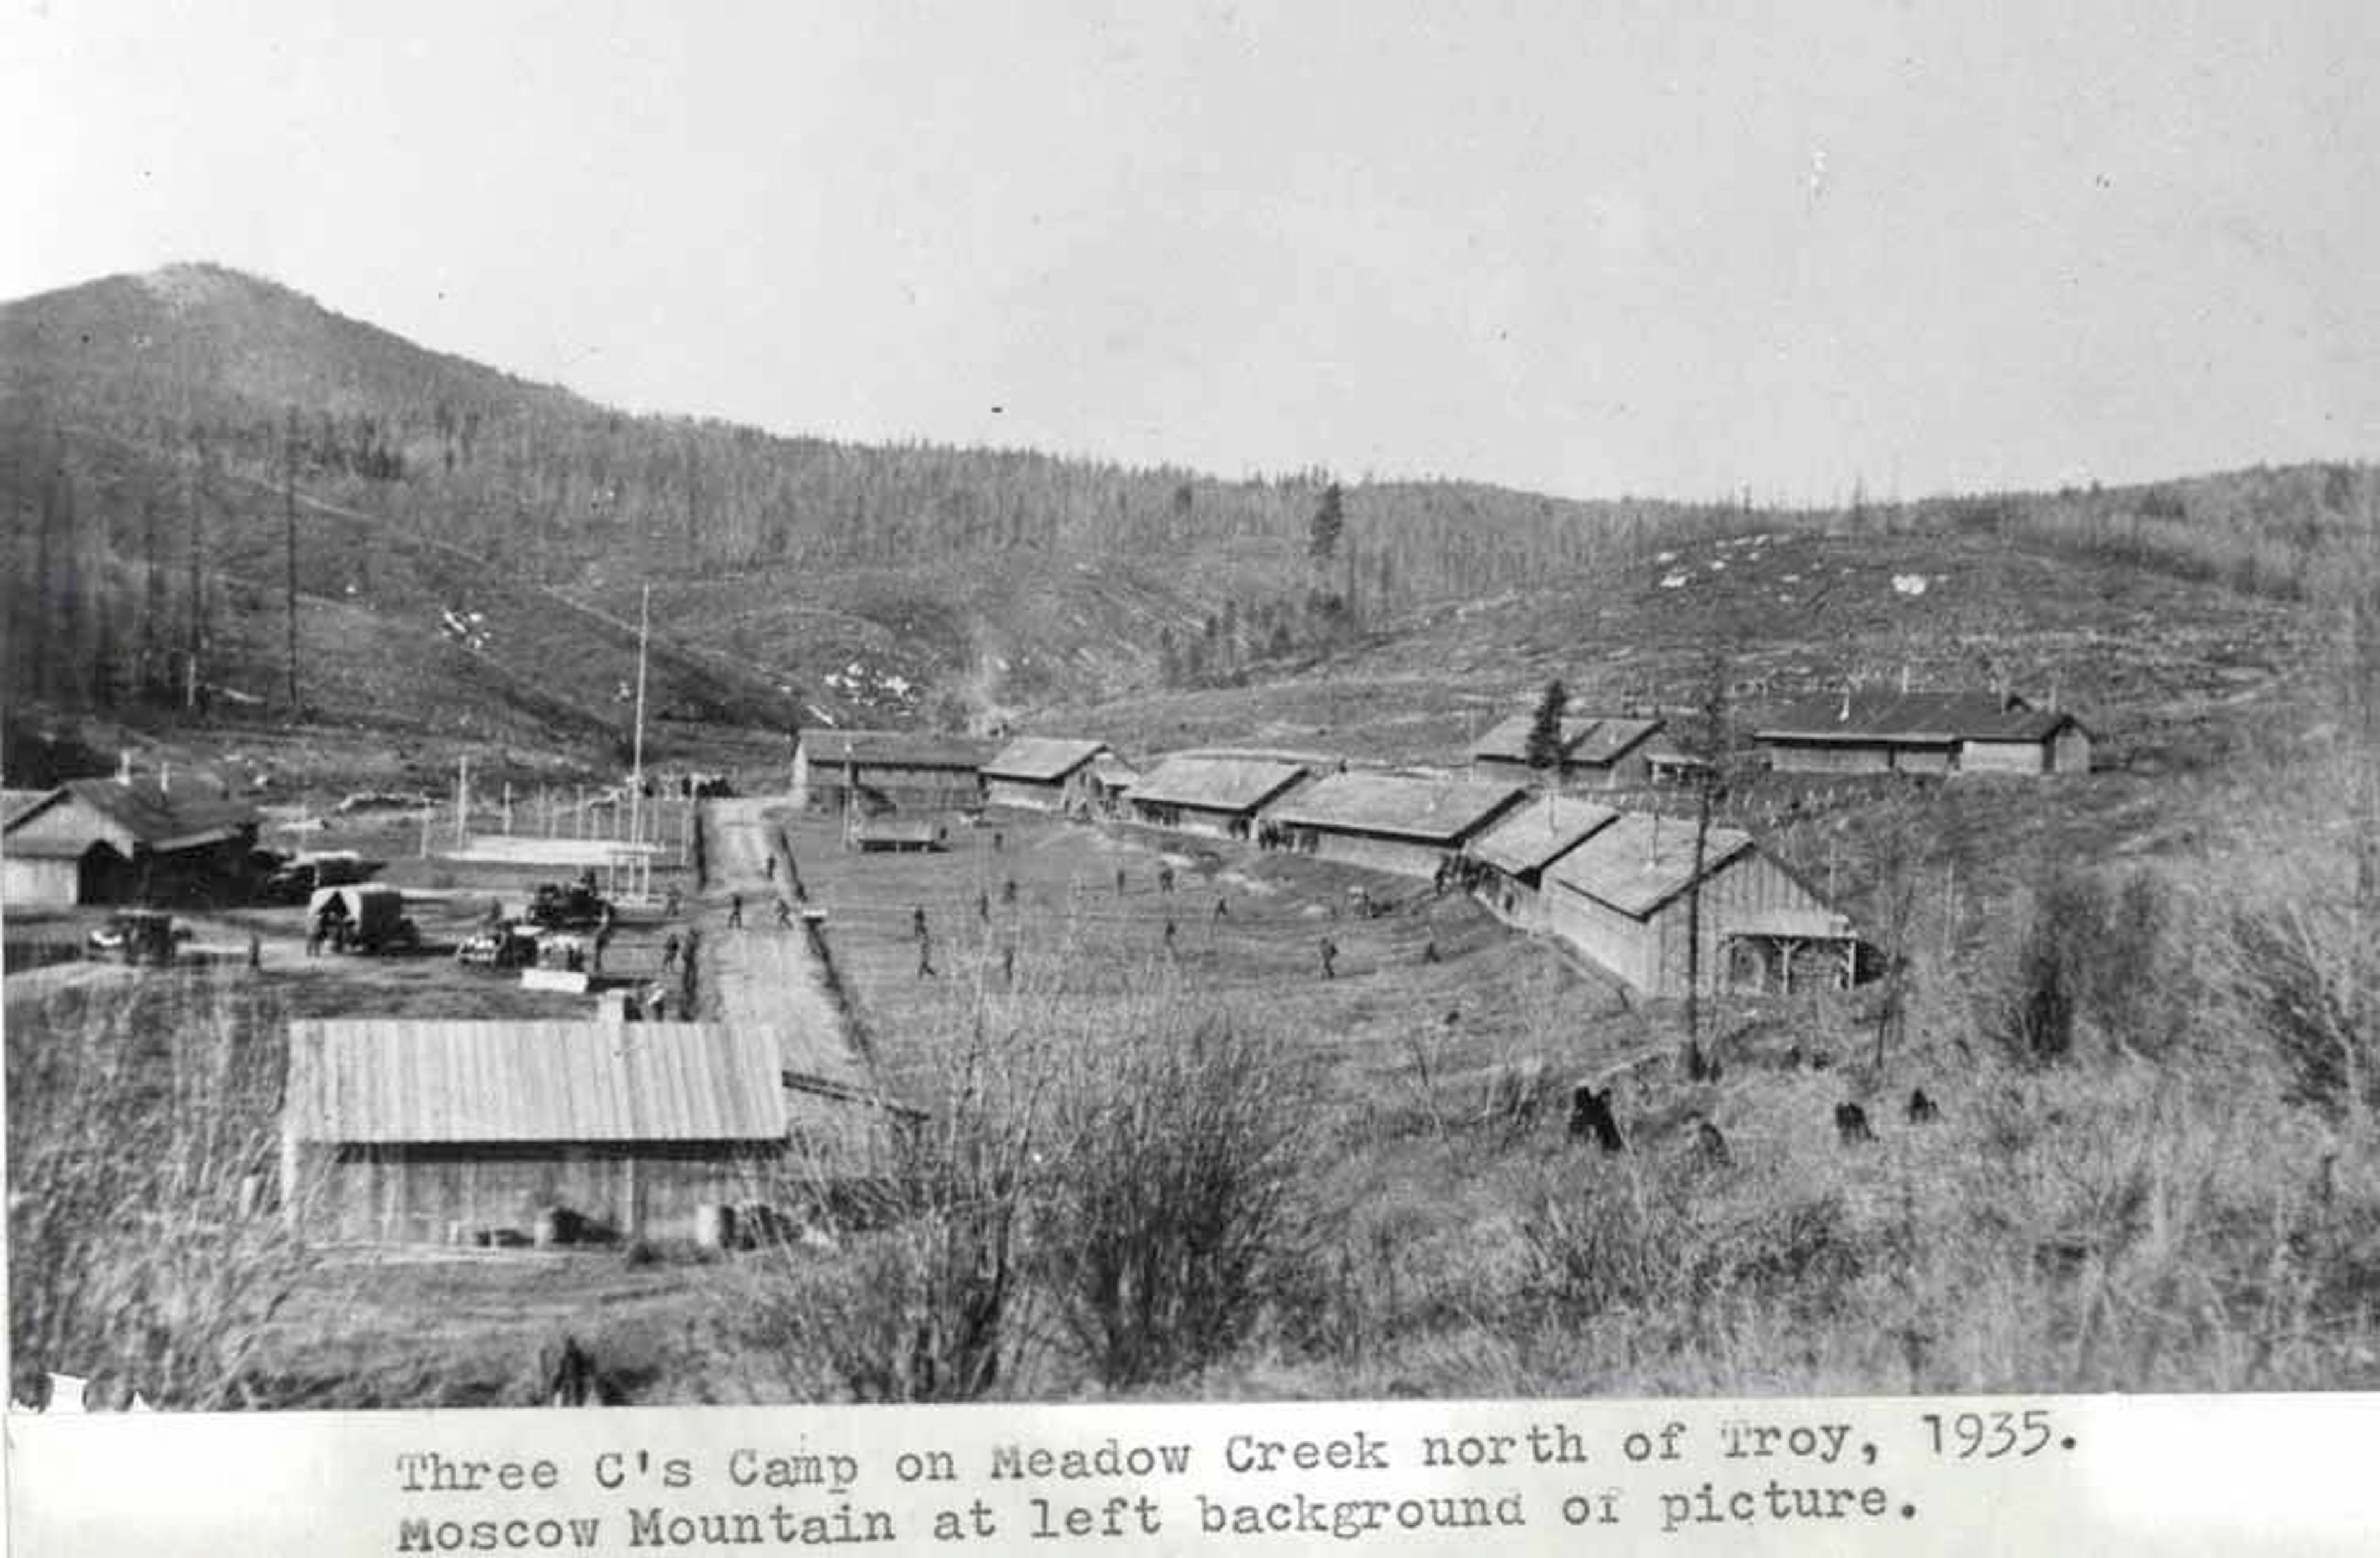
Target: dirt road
x,y
762,972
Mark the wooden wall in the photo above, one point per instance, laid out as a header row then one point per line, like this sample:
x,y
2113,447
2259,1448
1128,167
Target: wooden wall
x,y
415,1194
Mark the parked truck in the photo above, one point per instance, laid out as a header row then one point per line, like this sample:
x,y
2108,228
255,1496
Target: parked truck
x,y
368,918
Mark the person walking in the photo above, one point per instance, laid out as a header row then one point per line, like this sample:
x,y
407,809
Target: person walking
x,y
1330,958
784,914
735,911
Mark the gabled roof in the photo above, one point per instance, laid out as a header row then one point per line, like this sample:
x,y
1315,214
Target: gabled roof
x,y
1935,718
1216,783
894,748
159,817
1439,809
1611,739
1114,773
1044,757
1546,827
1638,862
1585,738
14,801
401,1081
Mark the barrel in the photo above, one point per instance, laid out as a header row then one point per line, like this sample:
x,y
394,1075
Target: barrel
x,y
714,1225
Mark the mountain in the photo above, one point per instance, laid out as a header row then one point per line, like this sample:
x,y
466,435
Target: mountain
x,y
471,546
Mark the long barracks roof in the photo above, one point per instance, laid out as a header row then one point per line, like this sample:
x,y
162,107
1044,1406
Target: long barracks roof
x,y
156,815
1440,811
1216,783
1639,862
400,1081
1046,759
894,748
1546,827
1585,738
1933,718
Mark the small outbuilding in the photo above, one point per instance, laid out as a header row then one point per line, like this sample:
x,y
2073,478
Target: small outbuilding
x,y
425,1132
1937,733
1412,824
1043,774
1202,793
1622,896
1597,751
126,839
888,771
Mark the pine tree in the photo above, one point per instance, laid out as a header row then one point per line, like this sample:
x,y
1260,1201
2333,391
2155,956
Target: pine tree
x,y
1545,747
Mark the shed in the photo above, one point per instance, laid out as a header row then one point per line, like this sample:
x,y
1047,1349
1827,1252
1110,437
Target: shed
x,y
1112,778
880,836
1209,794
1042,772
1622,896
1516,851
1408,823
888,771
1891,732
407,1131
120,839
1597,751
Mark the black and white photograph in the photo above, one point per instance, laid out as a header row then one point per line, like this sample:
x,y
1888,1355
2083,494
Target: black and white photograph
x,y
1065,703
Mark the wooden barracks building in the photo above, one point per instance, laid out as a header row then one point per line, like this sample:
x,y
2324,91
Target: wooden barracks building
x,y
416,1131
1044,773
1411,825
123,840
888,771
1886,732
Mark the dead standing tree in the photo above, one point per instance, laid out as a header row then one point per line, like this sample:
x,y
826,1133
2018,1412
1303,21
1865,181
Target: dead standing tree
x,y
1710,741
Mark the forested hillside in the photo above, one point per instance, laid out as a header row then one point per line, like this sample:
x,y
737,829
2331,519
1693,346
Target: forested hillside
x,y
150,427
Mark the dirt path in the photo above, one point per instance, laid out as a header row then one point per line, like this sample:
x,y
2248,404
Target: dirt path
x,y
762,973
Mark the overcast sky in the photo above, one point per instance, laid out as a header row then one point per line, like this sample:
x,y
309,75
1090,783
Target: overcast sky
x,y
1589,249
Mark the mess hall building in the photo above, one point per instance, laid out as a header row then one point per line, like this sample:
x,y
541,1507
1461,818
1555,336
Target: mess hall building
x,y
1937,733
1409,824
428,1131
1622,896
888,771
1597,751
126,840
1043,774
1212,795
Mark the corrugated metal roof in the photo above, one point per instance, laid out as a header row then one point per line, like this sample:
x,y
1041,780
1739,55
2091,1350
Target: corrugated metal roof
x,y
1411,806
894,748
154,816
1216,783
1638,862
1931,717
1043,758
1529,839
1585,738
401,1081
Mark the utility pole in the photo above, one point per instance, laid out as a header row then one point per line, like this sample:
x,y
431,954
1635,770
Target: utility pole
x,y
197,495
637,754
462,800
289,533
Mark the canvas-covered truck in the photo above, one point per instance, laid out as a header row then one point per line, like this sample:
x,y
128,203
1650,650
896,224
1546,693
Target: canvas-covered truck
x,y
367,917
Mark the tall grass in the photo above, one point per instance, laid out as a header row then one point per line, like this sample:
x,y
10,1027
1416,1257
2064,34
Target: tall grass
x,y
142,1139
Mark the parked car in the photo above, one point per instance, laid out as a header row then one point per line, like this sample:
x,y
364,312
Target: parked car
x,y
137,936
297,880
